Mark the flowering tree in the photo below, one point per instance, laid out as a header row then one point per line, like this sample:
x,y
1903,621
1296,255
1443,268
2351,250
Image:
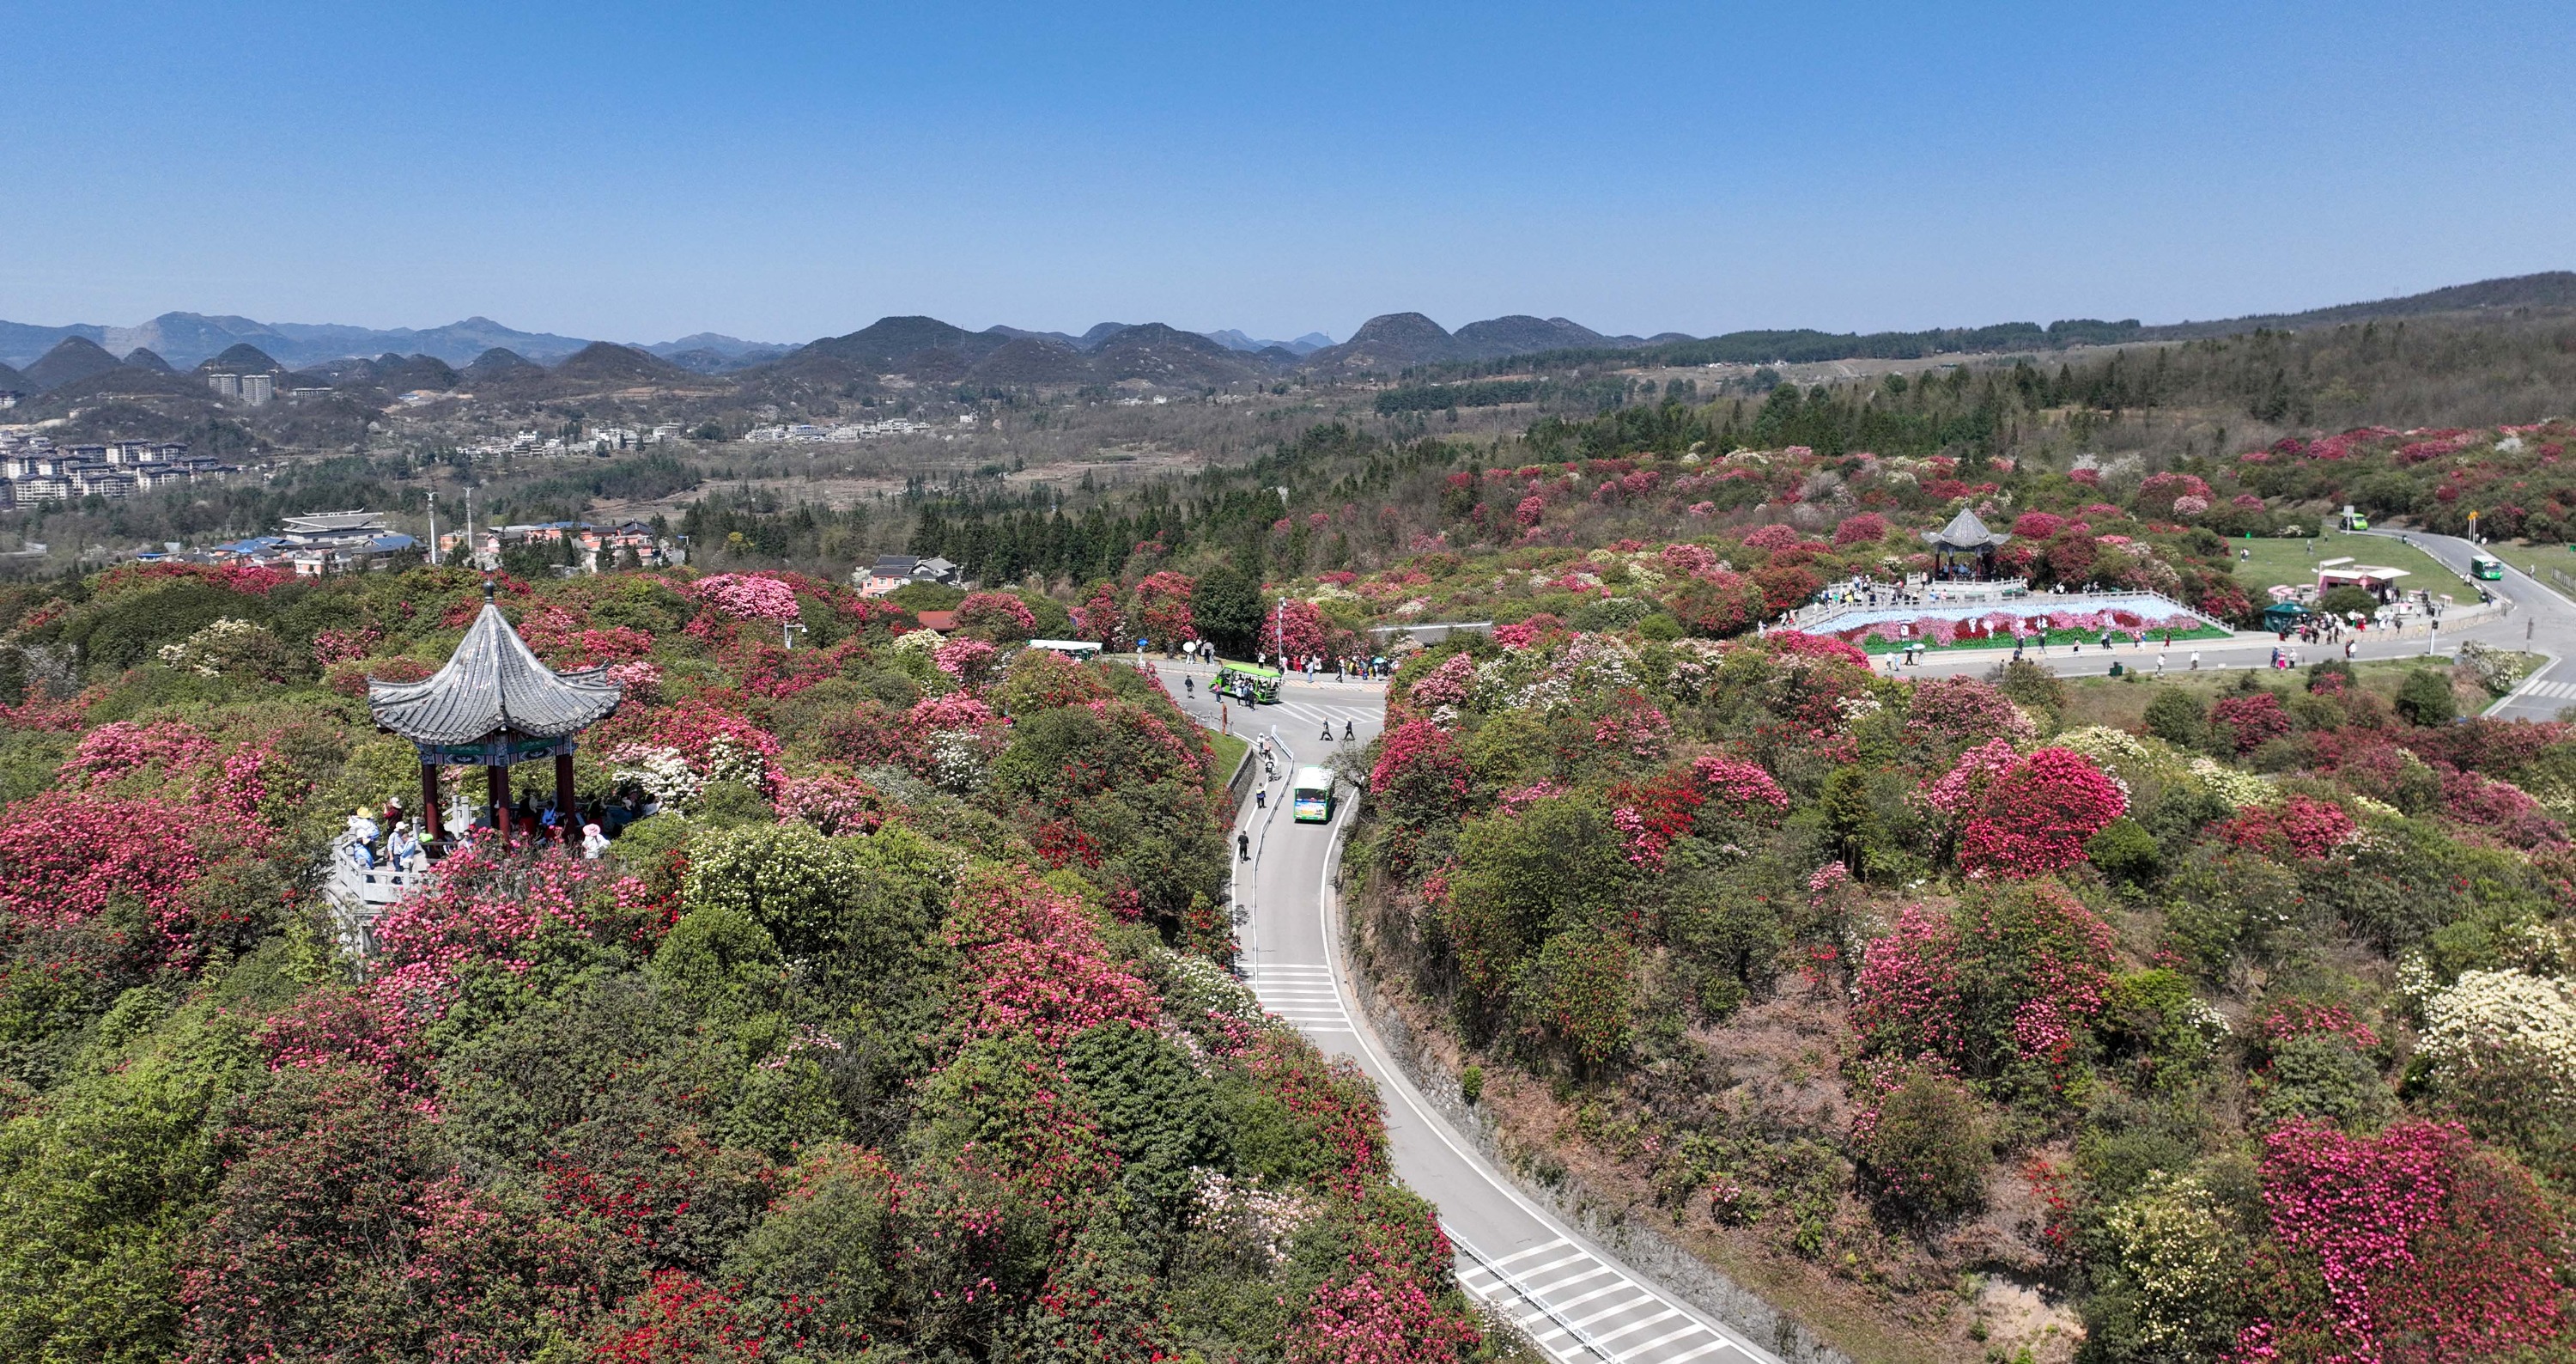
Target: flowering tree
x,y
1293,630
1099,617
1001,614
1162,609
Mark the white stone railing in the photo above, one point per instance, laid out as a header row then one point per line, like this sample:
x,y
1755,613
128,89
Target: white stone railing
x,y
358,895
1845,615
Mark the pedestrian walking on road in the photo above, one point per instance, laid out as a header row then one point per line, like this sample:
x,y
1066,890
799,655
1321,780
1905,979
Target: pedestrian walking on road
x,y
2195,660
1261,798
2160,662
1243,847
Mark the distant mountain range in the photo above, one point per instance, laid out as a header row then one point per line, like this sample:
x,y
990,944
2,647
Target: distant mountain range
x,y
479,352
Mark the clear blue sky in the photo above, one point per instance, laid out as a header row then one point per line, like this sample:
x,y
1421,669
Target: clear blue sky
x,y
783,171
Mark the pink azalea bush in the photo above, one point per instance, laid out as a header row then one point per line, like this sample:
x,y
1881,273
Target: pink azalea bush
x,y
747,596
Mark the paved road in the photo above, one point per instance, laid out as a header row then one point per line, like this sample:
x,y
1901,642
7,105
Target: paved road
x,y
1580,1305
2541,621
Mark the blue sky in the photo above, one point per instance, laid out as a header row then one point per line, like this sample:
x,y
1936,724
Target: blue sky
x,y
783,171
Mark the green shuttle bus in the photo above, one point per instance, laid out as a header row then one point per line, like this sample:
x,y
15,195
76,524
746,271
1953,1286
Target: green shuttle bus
x,y
1310,795
1246,683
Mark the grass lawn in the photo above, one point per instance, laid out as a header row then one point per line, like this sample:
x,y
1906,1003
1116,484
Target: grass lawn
x,y
2537,560
2278,561
1229,752
2122,702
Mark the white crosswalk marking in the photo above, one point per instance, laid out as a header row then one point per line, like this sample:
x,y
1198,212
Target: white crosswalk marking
x,y
1579,1309
1311,713
1302,995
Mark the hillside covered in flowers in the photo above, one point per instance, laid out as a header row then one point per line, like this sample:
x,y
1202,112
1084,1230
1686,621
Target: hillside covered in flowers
x,y
2245,1031
900,1032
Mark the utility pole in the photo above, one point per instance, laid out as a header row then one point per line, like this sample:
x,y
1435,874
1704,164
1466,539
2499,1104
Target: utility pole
x,y
433,528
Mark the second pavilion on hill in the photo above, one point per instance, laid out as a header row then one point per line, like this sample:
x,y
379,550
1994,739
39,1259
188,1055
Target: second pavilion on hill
x,y
494,705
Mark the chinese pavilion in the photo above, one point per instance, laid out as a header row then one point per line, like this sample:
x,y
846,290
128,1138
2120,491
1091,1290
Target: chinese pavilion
x,y
493,705
1964,548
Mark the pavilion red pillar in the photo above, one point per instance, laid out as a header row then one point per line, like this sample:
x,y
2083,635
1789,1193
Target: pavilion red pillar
x,y
431,832
496,779
567,823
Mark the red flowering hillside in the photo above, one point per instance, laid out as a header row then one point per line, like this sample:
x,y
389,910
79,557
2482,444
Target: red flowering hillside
x,y
1885,982
895,1029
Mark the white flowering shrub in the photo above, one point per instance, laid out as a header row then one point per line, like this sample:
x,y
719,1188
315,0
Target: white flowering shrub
x,y
2496,1024
2182,1260
660,771
226,647
957,763
1192,983
2496,670
920,642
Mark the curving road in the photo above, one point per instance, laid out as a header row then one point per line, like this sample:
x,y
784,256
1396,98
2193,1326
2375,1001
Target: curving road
x,y
2541,621
1579,1303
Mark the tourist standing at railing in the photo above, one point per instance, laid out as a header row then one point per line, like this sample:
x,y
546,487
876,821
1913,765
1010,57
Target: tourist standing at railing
x,y
402,848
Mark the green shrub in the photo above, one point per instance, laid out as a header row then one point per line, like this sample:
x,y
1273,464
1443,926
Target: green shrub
x,y
2124,851
2177,717
1925,1146
2026,683
2322,1075
1471,1084
2424,698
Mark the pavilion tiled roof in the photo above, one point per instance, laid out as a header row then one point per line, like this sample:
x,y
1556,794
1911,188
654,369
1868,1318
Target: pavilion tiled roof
x,y
1965,531
493,684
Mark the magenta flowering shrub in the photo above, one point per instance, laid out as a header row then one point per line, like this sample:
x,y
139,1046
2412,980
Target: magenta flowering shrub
x,y
2411,1245
1419,776
2016,974
1036,963
1775,536
1445,685
2033,817
967,660
1739,780
1950,710
747,596
486,905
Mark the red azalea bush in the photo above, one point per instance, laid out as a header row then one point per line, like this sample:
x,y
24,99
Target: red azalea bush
x,y
1867,528
2250,721
2411,1245
1716,604
2300,828
1419,775
2035,816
